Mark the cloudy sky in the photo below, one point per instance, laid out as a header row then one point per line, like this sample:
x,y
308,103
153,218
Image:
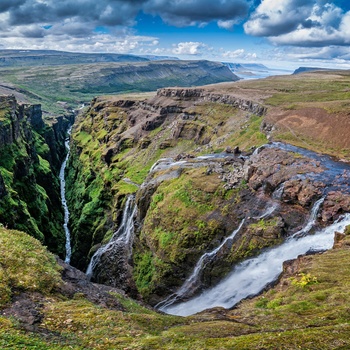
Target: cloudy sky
x,y
285,33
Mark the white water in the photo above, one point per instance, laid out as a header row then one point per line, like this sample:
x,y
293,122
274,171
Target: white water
x,y
193,279
166,163
251,276
277,195
123,235
312,220
63,200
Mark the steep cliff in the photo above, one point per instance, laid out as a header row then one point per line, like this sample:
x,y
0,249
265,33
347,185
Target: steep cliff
x,y
31,153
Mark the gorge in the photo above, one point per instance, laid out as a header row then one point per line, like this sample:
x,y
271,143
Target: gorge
x,y
273,196
208,201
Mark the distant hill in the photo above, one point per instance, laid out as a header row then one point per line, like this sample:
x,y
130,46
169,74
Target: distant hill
x,y
24,58
160,58
308,69
74,84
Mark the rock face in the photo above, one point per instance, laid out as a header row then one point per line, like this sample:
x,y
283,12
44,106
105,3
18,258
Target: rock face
x,y
29,164
202,95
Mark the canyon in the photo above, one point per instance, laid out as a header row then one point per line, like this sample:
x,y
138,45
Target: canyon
x,y
172,195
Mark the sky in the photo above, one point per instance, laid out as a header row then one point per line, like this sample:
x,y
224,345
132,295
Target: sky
x,y
277,33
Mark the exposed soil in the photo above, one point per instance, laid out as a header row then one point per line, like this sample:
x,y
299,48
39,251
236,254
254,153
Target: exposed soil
x,y
314,123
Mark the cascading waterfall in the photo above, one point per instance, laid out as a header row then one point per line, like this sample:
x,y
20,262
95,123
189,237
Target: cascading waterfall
x,y
63,198
123,235
251,276
191,282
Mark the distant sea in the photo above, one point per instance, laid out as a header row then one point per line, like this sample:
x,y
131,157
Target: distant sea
x,y
260,74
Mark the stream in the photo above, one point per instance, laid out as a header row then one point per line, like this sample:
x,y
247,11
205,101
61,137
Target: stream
x,y
63,198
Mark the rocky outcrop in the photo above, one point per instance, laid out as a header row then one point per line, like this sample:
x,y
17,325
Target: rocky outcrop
x,y
270,167
203,95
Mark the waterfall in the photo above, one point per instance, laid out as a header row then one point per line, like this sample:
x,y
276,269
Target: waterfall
x,y
191,282
250,277
276,196
63,199
312,219
124,235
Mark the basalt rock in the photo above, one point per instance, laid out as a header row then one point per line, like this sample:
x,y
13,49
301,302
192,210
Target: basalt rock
x,y
275,166
335,204
114,269
203,95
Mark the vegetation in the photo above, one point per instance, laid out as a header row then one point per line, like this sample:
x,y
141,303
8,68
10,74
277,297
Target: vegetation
x,y
288,316
25,265
187,212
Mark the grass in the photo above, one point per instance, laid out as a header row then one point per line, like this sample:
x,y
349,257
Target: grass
x,y
25,265
291,315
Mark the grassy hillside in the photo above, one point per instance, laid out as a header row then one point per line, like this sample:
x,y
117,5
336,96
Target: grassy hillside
x,y
307,309
309,110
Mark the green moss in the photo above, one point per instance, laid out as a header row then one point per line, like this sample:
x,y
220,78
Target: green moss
x,y
264,224
40,145
144,271
25,265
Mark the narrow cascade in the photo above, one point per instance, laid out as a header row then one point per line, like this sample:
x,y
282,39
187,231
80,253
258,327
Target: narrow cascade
x,y
124,235
191,282
251,276
276,196
63,199
312,219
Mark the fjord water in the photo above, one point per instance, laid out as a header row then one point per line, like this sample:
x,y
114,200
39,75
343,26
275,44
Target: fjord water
x,y
63,198
251,276
124,235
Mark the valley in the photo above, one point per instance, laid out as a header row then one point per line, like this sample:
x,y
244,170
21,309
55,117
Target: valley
x,y
180,200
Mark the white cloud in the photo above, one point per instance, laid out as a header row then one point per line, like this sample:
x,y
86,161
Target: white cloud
x,y
116,42
188,48
273,17
226,24
300,23
240,53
